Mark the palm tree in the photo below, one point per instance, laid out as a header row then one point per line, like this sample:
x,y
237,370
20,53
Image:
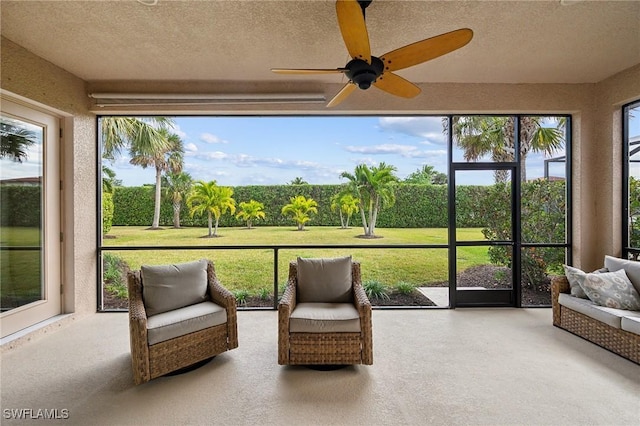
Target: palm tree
x,y
479,136
213,199
299,210
119,133
426,175
298,181
165,158
15,141
251,210
108,179
375,188
346,205
175,187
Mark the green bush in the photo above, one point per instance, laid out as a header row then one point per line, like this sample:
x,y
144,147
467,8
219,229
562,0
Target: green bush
x,y
375,290
112,275
107,212
404,287
543,221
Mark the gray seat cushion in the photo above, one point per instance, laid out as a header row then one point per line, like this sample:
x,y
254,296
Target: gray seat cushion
x,y
631,323
168,287
324,280
324,318
609,316
178,322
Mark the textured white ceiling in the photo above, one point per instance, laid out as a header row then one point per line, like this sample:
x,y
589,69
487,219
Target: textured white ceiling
x,y
514,41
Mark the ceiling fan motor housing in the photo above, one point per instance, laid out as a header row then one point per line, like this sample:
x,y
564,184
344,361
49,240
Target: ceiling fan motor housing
x,y
362,73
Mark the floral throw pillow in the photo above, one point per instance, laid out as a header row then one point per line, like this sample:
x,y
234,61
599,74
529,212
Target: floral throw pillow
x,y
612,289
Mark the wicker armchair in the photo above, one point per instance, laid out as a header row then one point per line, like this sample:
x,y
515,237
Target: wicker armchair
x,y
319,333
154,355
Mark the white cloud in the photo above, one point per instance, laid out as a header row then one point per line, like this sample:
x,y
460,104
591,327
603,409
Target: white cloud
x,y
404,150
429,128
407,151
191,147
211,138
176,129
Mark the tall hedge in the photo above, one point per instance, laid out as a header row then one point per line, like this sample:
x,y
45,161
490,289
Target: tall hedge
x,y
21,205
416,206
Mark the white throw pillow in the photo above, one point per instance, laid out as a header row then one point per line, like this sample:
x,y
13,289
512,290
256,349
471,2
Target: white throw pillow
x,y
169,287
612,289
324,280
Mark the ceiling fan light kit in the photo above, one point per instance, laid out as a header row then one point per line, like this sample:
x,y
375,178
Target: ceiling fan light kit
x,y
365,70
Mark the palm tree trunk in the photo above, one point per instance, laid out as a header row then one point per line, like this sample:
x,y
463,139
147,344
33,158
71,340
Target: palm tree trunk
x,y
156,211
210,224
215,230
374,216
364,221
342,220
176,215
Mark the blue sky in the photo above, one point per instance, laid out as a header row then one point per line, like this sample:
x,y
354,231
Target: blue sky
x,y
275,150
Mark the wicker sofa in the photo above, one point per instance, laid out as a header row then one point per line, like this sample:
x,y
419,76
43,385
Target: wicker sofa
x,y
614,329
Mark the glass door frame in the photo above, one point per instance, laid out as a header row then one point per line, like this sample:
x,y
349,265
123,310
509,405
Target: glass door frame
x,y
486,298
477,297
50,303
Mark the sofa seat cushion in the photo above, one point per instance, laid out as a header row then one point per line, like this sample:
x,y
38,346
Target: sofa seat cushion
x,y
324,318
609,316
179,322
631,323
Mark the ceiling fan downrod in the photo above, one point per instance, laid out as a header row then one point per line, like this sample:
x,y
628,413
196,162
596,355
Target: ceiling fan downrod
x,y
363,5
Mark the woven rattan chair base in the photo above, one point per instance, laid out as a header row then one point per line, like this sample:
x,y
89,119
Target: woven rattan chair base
x,y
325,348
191,367
174,354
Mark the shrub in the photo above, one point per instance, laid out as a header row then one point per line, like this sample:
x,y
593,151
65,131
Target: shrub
x,y
264,294
241,297
375,290
107,212
112,275
404,287
543,221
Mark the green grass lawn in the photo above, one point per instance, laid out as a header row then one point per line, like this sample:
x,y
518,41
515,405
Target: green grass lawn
x,y
252,270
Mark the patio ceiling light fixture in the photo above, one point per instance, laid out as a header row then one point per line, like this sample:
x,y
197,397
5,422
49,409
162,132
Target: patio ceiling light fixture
x,y
160,99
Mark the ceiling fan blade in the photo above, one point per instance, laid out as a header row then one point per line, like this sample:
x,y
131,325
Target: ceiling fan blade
x,y
342,94
308,70
425,50
353,29
396,85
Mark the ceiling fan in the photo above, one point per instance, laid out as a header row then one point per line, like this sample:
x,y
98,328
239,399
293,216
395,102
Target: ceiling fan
x,y
364,69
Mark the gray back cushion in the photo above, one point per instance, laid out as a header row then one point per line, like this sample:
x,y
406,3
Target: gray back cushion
x,y
169,287
631,267
325,280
